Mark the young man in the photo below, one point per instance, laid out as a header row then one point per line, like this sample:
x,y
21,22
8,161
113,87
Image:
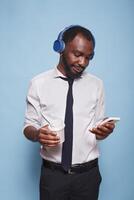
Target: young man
x,y
69,170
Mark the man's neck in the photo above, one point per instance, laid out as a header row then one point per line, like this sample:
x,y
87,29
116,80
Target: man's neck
x,y
61,69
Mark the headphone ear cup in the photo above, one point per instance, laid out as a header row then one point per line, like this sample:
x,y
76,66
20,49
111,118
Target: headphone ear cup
x,y
91,56
59,46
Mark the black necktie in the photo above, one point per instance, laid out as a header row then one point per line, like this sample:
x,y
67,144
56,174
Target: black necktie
x,y
67,145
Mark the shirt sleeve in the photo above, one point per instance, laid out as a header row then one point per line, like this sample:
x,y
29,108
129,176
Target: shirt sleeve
x,y
100,107
32,114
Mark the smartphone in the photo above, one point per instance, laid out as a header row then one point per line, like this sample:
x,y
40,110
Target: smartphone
x,y
114,119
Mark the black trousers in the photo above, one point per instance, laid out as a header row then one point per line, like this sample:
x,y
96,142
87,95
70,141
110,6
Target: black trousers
x,y
57,185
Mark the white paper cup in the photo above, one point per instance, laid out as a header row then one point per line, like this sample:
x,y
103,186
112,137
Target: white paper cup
x,y
57,126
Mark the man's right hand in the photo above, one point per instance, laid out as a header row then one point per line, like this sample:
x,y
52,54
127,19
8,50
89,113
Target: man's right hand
x,y
47,137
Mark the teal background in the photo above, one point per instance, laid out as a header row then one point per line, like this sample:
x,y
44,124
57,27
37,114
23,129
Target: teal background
x,y
27,31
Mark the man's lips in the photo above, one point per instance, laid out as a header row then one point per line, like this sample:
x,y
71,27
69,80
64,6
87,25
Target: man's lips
x,y
77,69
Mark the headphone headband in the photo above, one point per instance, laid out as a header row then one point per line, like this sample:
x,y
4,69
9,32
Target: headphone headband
x,y
60,36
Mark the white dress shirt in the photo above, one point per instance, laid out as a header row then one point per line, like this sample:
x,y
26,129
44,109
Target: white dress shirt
x,y
46,101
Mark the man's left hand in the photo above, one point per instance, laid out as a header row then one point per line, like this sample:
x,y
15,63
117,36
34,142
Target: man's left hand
x,y
102,131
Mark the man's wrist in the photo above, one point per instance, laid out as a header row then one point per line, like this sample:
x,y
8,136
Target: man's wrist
x,y
36,136
32,133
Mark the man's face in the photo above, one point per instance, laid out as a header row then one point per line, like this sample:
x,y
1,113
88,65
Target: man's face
x,y
76,56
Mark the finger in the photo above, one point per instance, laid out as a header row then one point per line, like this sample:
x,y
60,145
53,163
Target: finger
x,y
50,136
49,142
108,128
45,130
52,145
110,124
102,131
97,131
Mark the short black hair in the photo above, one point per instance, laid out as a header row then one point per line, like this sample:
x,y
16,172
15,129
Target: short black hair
x,y
70,34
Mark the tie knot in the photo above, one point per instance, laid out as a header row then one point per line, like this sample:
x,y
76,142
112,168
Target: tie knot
x,y
69,80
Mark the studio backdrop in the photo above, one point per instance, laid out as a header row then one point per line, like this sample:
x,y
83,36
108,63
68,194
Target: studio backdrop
x,y
27,31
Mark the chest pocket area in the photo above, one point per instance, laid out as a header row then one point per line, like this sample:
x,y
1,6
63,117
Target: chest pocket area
x,y
85,103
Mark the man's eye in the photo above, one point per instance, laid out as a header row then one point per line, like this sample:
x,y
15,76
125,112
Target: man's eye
x,y
77,54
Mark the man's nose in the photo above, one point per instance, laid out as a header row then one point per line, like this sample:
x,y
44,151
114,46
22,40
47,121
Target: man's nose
x,y
82,62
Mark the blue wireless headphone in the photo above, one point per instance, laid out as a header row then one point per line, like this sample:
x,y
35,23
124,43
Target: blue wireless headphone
x,y
59,44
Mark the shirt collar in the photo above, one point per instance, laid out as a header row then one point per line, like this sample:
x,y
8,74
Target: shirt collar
x,y
58,74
